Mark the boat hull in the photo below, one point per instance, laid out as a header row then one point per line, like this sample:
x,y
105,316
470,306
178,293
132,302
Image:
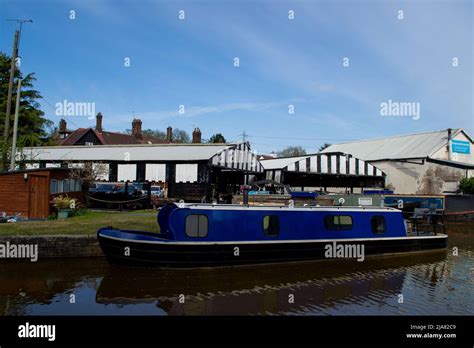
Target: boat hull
x,y
126,248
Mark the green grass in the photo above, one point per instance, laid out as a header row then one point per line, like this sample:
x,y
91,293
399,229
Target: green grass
x,y
88,223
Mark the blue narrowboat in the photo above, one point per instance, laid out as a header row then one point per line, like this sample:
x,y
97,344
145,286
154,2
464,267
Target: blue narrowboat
x,y
201,235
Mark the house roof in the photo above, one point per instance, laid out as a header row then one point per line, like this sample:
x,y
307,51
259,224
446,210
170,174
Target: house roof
x,y
417,145
109,138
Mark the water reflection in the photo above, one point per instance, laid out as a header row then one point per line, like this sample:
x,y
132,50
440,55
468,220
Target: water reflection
x,y
431,283
275,289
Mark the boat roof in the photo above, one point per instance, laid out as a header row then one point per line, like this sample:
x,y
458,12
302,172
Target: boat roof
x,y
284,207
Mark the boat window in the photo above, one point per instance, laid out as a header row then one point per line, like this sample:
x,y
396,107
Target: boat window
x,y
271,225
378,224
196,225
338,222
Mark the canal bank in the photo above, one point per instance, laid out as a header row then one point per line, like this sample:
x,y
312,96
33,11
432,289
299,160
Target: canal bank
x,y
75,236
58,246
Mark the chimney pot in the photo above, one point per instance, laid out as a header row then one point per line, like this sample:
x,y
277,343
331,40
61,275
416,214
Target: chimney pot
x,y
98,122
196,136
137,128
169,134
62,126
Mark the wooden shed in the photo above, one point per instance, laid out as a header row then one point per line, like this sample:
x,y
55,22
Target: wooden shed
x,y
29,192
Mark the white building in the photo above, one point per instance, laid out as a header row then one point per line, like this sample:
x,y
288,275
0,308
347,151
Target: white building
x,y
422,163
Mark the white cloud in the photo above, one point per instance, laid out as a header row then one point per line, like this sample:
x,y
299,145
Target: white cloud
x,y
196,110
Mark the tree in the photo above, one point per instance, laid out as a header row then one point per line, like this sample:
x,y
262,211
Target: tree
x,y
325,145
181,136
88,172
292,151
32,125
150,133
154,133
467,185
217,139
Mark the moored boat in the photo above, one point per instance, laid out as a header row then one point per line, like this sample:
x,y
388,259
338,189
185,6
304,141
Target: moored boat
x,y
200,235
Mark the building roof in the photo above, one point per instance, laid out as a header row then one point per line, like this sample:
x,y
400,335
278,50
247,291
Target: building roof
x,y
229,156
109,138
419,145
457,164
134,152
280,163
327,163
33,170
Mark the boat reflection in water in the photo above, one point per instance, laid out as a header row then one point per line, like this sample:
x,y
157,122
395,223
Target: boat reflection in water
x,y
316,287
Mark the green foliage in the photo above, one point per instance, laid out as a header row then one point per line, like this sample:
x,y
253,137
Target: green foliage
x,y
32,125
217,138
154,133
467,185
64,202
292,151
181,136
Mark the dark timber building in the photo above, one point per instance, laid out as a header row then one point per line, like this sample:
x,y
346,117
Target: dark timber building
x,y
190,171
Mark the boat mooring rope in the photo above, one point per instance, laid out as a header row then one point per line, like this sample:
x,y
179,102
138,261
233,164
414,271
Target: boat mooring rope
x,y
117,202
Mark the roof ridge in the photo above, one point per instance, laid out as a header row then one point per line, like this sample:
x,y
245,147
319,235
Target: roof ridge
x,y
140,145
455,130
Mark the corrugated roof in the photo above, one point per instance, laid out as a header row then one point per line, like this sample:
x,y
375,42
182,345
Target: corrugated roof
x,y
398,147
318,163
140,152
279,163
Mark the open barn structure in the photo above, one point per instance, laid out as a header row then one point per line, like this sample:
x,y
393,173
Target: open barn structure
x,y
190,171
338,170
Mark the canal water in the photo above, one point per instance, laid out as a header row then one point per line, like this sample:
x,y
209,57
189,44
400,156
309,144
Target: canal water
x,y
419,284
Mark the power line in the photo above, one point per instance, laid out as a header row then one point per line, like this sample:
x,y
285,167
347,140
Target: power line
x,y
283,145
244,136
294,138
54,108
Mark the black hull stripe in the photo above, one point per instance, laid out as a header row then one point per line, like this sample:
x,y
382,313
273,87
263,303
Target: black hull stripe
x,y
172,255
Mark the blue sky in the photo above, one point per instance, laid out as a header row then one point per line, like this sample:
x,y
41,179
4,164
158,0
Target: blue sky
x,y
190,62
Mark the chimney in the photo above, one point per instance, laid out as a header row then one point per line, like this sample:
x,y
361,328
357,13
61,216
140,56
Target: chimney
x,y
196,136
169,134
98,122
137,128
62,126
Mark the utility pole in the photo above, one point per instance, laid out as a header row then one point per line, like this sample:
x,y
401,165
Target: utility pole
x,y
16,43
15,126
10,86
